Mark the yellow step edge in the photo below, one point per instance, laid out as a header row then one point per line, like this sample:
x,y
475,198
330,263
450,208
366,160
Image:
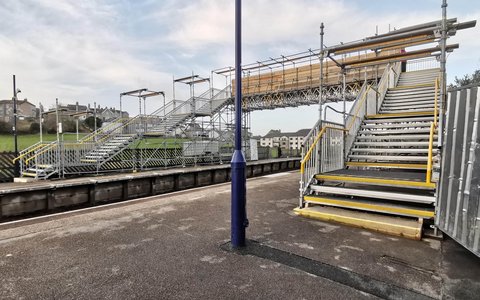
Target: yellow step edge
x,y
404,87
386,165
88,160
367,206
407,114
361,220
395,182
29,174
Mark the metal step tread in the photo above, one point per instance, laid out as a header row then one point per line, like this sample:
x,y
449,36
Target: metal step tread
x,y
415,106
392,225
372,193
400,114
388,157
373,206
405,112
393,131
396,137
394,150
399,120
405,179
386,165
400,125
396,102
394,144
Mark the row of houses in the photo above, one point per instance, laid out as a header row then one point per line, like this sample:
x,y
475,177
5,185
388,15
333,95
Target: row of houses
x,y
28,110
284,140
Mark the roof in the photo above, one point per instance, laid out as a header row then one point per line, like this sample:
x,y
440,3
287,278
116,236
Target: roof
x,y
277,133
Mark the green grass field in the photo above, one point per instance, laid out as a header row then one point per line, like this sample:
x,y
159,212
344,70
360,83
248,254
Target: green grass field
x,y
26,140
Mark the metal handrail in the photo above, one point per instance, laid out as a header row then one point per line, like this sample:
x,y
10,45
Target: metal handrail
x,y
430,154
53,145
34,148
355,115
101,130
314,144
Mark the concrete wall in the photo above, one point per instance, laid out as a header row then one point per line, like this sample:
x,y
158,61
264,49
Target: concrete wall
x,y
49,196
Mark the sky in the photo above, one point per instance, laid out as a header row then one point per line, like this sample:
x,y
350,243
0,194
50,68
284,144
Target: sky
x,y
92,50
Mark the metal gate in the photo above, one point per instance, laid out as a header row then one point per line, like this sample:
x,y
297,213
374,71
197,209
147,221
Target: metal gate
x,y
458,206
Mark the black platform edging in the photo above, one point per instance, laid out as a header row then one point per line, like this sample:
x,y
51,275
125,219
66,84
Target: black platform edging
x,y
354,280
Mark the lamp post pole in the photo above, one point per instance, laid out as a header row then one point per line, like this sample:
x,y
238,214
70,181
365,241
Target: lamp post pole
x,y
238,163
15,137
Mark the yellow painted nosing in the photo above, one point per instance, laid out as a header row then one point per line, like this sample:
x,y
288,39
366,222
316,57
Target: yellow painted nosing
x,y
379,208
393,229
29,174
406,114
403,87
376,180
386,165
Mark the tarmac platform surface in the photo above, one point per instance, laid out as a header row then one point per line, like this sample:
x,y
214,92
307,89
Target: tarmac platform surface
x,y
173,246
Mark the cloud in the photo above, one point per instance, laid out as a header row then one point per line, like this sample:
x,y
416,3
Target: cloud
x,y
92,50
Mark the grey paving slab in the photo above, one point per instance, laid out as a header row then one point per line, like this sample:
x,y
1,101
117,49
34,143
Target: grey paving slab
x,y
168,247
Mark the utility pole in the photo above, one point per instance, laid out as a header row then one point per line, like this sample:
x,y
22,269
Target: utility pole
x,y
238,164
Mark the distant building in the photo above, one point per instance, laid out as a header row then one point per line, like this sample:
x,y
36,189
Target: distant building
x,y
106,114
284,140
25,110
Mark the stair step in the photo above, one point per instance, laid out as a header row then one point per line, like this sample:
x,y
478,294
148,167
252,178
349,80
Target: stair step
x,y
394,144
29,174
393,131
410,94
389,158
413,85
408,101
396,137
400,125
377,194
379,181
401,114
399,120
372,206
356,164
408,107
407,112
397,226
393,150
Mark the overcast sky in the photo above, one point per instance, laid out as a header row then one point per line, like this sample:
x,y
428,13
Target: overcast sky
x,y
91,50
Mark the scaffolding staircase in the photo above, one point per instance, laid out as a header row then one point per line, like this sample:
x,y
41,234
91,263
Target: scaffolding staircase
x,y
389,167
44,160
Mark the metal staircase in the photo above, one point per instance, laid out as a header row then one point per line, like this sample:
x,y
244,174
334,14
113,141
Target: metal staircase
x,y
386,162
44,160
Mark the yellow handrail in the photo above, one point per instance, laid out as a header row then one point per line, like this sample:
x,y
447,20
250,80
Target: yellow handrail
x,y
430,154
436,103
43,151
31,150
310,150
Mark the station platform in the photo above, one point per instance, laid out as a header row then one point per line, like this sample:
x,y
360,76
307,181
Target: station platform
x,y
175,246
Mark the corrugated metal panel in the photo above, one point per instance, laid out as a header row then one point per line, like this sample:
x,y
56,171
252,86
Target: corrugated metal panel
x,y
458,206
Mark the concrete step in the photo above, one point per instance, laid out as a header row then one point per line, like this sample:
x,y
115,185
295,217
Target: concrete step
x,y
390,225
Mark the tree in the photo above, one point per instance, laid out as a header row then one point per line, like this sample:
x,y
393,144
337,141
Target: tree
x,y
466,80
34,128
89,122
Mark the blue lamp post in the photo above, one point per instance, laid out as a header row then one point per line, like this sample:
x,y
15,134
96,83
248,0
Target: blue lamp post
x,y
239,180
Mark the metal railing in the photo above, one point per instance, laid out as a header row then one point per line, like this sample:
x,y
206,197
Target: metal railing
x,y
422,64
327,145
